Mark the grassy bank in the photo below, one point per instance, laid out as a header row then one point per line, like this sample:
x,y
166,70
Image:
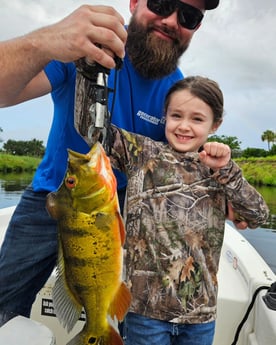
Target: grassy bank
x,y
11,163
259,171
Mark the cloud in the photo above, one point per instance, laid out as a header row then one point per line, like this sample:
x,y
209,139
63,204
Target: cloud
x,y
235,46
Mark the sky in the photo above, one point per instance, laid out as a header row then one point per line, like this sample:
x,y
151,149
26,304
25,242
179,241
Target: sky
x,y
235,46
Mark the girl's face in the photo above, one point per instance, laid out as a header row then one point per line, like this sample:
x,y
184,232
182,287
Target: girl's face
x,y
189,121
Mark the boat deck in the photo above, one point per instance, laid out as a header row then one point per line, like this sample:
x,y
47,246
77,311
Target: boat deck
x,y
241,272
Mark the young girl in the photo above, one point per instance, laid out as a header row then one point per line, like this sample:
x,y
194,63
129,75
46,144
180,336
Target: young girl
x,y
175,213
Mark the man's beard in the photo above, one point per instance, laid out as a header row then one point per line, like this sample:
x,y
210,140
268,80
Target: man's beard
x,y
152,56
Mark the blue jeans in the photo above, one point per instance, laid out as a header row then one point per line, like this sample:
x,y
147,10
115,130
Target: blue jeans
x,y
140,330
28,254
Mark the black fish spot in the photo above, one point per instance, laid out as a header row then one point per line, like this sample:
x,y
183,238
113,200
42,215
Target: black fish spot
x,y
92,340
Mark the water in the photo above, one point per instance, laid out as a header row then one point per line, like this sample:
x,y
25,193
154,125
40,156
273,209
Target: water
x,y
12,186
263,239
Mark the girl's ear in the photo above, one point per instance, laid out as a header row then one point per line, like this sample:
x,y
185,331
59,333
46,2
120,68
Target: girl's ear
x,y
215,126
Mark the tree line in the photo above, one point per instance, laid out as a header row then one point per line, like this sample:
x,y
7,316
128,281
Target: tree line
x,y
32,148
36,148
234,144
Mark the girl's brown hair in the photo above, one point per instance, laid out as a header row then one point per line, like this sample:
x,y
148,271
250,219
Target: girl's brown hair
x,y
205,89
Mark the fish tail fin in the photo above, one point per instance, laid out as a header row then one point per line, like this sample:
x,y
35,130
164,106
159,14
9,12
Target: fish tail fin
x,y
111,337
114,337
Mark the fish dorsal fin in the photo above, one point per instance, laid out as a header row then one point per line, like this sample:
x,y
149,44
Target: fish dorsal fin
x,y
67,308
121,302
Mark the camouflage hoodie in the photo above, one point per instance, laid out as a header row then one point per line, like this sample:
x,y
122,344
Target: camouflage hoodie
x,y
175,218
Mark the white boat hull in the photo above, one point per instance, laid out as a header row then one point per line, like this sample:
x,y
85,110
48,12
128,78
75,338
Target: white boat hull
x,y
241,272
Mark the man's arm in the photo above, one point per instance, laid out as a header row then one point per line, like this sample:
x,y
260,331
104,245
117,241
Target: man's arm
x,y
78,35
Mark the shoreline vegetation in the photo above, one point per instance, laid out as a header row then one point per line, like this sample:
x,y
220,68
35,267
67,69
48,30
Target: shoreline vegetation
x,y
259,171
18,164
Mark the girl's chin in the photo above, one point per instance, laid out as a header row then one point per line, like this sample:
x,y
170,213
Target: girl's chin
x,y
184,148
180,148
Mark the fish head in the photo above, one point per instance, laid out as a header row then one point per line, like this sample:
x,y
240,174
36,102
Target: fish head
x,y
89,183
90,178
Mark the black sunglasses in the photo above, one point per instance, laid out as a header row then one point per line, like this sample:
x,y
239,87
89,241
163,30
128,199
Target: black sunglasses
x,y
188,16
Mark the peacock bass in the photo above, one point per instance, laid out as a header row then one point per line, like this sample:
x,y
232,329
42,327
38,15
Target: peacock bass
x,y
91,235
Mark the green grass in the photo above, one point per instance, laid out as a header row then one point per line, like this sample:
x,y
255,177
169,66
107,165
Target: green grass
x,y
259,171
10,163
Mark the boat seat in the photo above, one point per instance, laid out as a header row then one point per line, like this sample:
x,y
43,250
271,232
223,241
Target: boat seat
x,y
23,331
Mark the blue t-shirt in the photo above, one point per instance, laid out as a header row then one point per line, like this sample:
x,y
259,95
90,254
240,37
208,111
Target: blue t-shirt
x,y
138,108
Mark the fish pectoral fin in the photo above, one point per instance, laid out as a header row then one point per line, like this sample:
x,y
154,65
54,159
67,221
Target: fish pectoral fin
x,y
121,302
66,306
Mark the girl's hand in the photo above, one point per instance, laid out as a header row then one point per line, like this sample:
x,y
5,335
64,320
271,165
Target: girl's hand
x,y
215,155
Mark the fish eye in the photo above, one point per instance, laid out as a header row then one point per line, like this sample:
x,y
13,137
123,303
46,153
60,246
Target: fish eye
x,y
70,182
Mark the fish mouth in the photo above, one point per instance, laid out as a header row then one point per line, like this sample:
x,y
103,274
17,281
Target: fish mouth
x,y
93,156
